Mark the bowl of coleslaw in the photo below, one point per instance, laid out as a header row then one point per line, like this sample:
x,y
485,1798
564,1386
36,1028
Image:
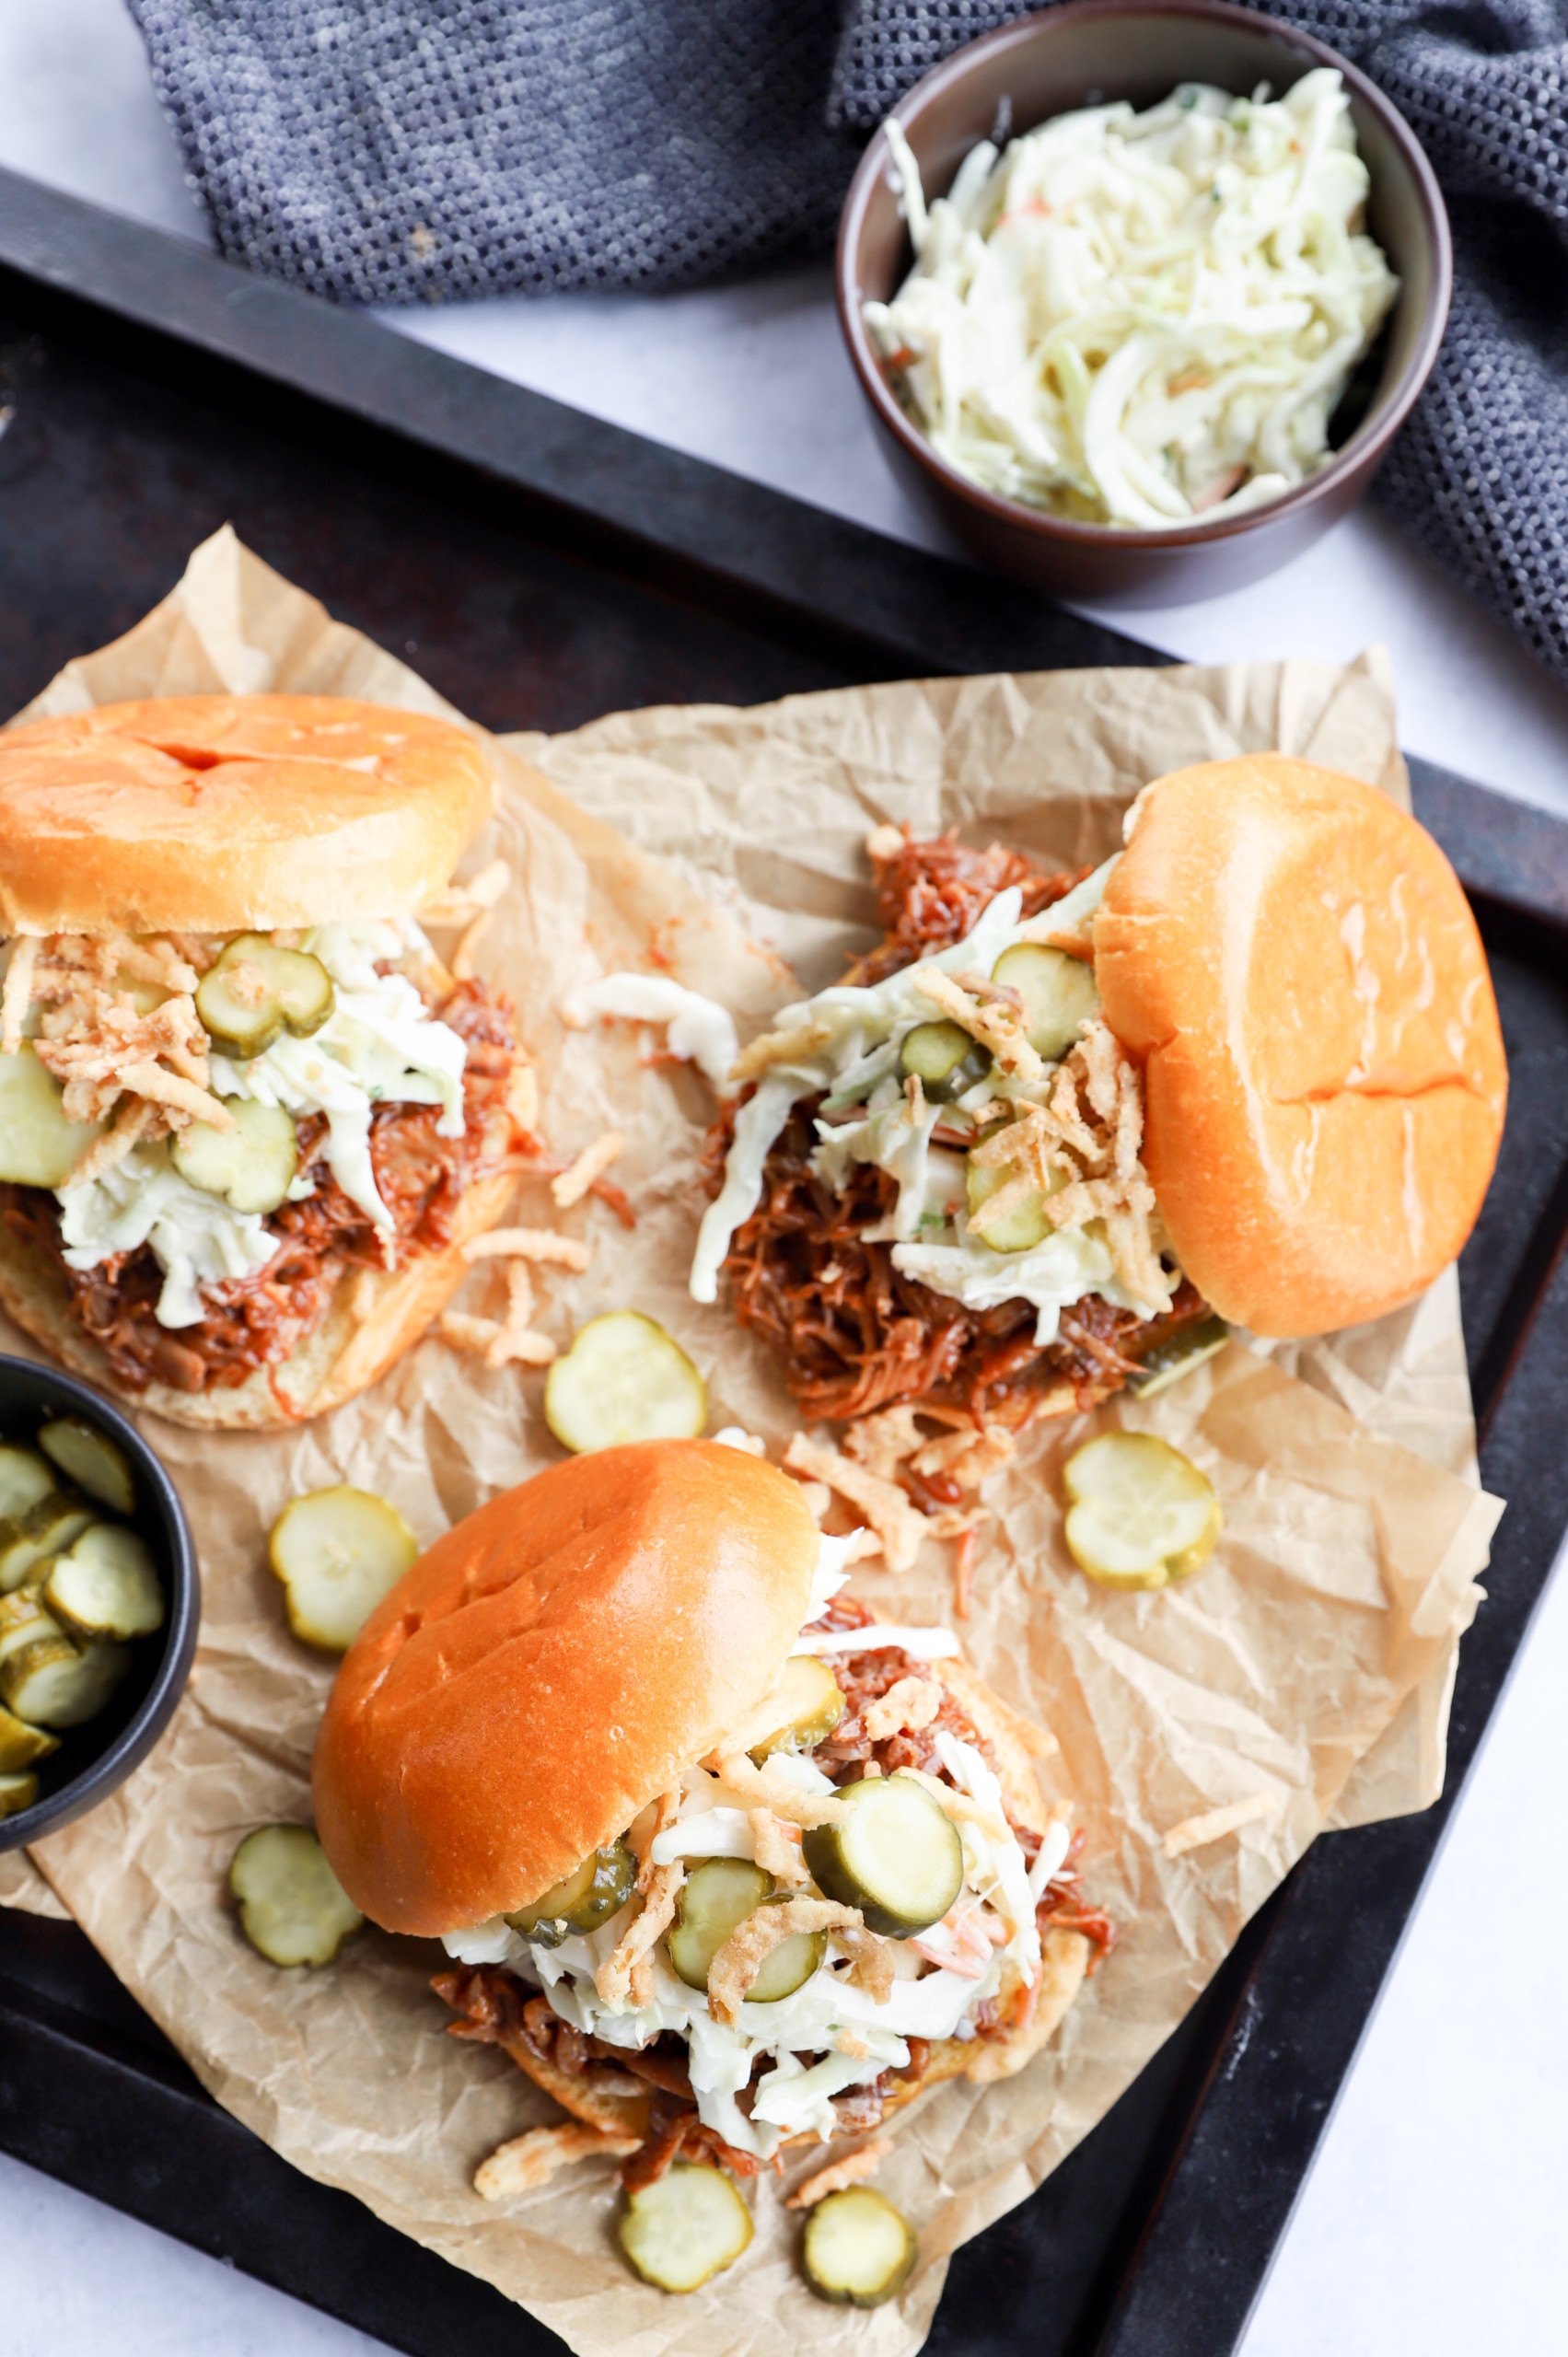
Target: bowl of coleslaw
x,y
1140,292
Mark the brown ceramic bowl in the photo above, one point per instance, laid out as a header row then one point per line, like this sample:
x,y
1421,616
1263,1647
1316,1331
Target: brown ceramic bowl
x,y
1085,53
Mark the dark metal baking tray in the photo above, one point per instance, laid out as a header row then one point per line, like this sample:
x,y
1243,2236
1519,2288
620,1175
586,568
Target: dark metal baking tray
x,y
539,568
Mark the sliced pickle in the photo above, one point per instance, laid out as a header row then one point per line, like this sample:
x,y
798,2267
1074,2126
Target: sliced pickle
x,y
623,1379
1058,992
106,1585
25,1481
256,991
38,1147
1140,1513
1018,1230
685,2228
944,1059
789,1966
858,2249
34,1538
588,1897
894,1855
17,1793
20,1745
251,1165
24,1619
54,1683
811,1705
338,1552
293,1908
1178,1357
715,1900
91,1460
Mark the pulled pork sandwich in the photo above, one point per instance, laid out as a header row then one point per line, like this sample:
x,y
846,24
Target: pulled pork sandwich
x,y
248,1119
767,1894
1055,1135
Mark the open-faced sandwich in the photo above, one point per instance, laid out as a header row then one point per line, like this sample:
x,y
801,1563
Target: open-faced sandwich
x,y
1056,1134
723,1864
247,1118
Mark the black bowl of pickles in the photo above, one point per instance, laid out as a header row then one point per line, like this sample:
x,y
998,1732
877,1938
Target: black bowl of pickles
x,y
99,1600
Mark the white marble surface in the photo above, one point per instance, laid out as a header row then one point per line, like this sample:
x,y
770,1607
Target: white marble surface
x,y
1434,2219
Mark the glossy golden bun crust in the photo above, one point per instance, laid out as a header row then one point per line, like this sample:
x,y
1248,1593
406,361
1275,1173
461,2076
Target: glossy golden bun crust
x,y
227,814
552,1666
1293,961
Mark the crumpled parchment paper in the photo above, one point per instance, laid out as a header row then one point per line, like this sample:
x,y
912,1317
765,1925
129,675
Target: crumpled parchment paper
x,y
1310,1662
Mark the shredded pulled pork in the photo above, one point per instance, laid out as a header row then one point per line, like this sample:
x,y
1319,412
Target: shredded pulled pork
x,y
257,1320
528,2161
855,1336
853,2170
929,894
496,2006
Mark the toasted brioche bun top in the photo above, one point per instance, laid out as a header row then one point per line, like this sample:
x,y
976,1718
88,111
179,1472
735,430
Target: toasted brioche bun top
x,y
1292,959
551,1667
229,814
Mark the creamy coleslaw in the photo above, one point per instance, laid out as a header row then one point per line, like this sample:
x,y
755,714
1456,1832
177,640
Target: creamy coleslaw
x,y
795,2096
378,1045
1142,318
848,1041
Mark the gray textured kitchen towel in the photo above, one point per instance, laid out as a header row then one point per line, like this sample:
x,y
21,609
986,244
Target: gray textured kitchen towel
x,y
395,151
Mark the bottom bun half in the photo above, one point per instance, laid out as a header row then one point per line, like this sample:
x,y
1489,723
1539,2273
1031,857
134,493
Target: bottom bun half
x,y
375,1317
982,2060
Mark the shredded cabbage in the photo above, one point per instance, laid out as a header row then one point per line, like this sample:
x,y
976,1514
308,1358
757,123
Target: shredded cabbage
x,y
792,2097
1140,319
855,1066
379,1044
196,1239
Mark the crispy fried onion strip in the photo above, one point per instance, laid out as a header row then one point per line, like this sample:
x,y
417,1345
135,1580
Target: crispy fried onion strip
x,y
779,1047
989,1012
853,2170
738,1963
884,1442
572,1184
1193,1833
499,1344
541,1244
665,1809
614,1977
778,1850
1086,1141
100,1045
874,1962
891,1438
912,1703
131,1124
896,1522
530,2159
763,1790
90,1029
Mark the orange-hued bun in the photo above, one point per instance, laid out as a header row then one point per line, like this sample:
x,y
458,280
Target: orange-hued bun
x,y
551,1667
229,814
1293,961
